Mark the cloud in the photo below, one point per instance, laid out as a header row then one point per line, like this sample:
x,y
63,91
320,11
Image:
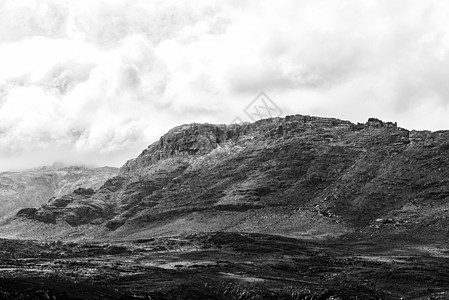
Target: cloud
x,y
26,18
103,79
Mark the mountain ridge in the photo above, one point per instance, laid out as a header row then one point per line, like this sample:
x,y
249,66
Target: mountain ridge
x,y
298,176
179,139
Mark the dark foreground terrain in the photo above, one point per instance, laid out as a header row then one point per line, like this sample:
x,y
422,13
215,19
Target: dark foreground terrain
x,y
222,266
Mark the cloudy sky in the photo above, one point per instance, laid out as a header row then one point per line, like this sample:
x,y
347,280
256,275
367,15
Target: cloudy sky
x,y
96,81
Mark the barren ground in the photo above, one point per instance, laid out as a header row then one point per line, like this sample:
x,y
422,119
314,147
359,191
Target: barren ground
x,y
222,266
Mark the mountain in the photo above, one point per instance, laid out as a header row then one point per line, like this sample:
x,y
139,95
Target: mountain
x,y
36,186
298,207
298,176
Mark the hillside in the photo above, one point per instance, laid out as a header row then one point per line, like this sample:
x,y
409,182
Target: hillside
x,y
32,188
298,176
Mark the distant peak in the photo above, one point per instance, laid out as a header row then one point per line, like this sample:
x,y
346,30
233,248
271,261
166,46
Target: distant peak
x,y
57,166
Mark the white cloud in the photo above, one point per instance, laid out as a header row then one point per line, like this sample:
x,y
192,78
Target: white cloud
x,y
102,79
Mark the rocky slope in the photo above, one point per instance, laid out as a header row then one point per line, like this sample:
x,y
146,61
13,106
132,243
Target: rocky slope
x,y
35,187
298,176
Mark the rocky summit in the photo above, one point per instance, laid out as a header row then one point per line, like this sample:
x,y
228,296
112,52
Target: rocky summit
x,y
298,176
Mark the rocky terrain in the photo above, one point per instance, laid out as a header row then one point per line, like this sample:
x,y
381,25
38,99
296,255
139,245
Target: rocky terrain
x,y
32,188
298,207
221,266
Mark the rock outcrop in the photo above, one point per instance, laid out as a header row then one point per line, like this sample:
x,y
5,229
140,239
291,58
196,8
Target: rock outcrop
x,y
298,176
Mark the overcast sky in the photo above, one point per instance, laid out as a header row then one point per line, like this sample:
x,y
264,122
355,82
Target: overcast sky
x,y
95,82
